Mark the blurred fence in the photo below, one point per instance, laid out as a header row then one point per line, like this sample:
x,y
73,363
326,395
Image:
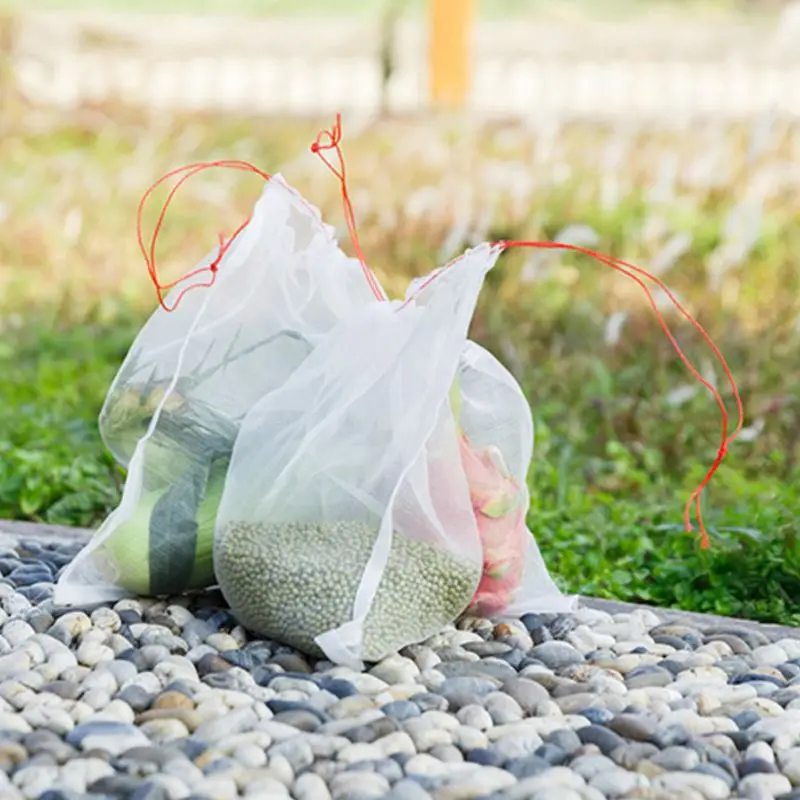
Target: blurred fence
x,y
593,71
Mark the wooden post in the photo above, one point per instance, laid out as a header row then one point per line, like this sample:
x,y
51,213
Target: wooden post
x,y
449,52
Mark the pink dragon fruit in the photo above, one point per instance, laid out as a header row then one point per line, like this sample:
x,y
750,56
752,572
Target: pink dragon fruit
x,y
498,501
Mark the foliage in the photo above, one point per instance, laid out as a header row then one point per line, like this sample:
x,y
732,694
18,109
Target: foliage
x,y
622,438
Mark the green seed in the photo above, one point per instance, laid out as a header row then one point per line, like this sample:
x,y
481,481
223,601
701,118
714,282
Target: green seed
x,y
294,581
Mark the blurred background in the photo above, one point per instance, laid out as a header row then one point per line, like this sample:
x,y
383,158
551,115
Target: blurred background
x,y
664,132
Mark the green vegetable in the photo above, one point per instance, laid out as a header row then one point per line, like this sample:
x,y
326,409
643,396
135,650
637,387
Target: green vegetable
x,y
167,544
294,581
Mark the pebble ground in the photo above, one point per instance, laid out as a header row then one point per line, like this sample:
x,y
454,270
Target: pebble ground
x,y
148,700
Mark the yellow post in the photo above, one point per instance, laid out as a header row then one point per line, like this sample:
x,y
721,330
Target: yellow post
x,y
449,51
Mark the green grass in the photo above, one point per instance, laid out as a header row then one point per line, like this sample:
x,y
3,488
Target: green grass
x,y
616,452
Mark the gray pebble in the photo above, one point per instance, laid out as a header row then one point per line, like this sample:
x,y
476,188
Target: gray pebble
x,y
371,731
67,690
556,655
630,755
639,727
707,768
502,708
676,758
427,701
647,676
750,766
463,691
606,740
527,766
136,697
566,739
669,735
492,669
529,694
303,720
401,710
123,671
553,754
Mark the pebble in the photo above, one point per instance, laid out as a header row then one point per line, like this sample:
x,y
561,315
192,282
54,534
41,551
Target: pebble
x,y
556,655
170,699
603,738
709,787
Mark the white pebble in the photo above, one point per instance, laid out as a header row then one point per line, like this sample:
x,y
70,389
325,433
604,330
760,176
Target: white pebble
x,y
760,750
17,631
175,668
196,653
281,684
438,719
791,647
365,683
233,699
770,655
361,751
424,764
763,786
13,722
160,731
101,679
467,738
782,731
484,780
80,711
148,681
250,756
172,785
33,650
12,664
79,773
220,787
119,644
129,604
309,786
96,698
35,780
15,604
179,615
346,785
222,642
116,711
74,623
62,661
432,679
269,788
709,786
396,669
281,769
398,742
54,719
17,694
619,782
424,736
92,653
106,619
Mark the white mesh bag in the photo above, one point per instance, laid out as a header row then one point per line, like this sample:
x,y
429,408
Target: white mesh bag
x,y
174,409
347,526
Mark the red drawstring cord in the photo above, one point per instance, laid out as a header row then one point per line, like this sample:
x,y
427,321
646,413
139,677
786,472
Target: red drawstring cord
x,y
333,139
